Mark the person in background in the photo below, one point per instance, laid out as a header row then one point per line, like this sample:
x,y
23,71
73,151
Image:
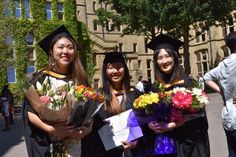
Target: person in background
x,y
224,75
190,133
120,97
11,101
5,105
64,66
201,82
146,86
140,85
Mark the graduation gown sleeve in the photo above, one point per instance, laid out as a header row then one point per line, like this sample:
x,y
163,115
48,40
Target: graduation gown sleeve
x,y
37,141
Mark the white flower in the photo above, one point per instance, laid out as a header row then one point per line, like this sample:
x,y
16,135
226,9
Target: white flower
x,y
57,98
45,82
50,92
39,87
180,89
197,91
203,99
72,90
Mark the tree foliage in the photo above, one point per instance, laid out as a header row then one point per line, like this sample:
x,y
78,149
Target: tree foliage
x,y
150,17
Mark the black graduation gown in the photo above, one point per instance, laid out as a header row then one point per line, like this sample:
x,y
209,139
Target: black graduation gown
x,y
192,138
92,144
37,141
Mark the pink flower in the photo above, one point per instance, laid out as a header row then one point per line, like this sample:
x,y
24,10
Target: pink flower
x,y
63,95
45,99
204,93
182,100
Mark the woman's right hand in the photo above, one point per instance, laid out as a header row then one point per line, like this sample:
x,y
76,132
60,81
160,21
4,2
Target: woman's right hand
x,y
59,130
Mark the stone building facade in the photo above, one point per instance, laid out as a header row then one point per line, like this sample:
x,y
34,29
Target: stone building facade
x,y
104,39
207,47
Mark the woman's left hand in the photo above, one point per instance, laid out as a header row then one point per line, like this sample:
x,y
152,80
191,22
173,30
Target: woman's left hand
x,y
129,145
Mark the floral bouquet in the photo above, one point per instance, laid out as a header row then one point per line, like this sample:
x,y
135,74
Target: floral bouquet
x,y
156,107
63,103
87,103
53,104
192,100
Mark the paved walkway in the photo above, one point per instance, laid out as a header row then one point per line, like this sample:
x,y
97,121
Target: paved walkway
x,y
12,142
217,137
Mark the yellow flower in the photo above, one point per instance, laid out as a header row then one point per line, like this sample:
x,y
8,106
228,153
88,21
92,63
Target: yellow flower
x,y
145,100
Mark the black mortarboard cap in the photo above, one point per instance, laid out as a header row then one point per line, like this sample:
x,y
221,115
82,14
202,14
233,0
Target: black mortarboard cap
x,y
112,57
166,42
59,32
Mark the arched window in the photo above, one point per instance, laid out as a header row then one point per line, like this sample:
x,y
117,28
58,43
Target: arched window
x,y
10,43
60,11
49,10
17,8
202,62
29,39
27,9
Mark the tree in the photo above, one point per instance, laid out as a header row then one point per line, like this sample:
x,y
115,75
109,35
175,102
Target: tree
x,y
150,17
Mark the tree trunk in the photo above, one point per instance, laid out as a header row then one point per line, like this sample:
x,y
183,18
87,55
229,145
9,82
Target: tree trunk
x,y
186,50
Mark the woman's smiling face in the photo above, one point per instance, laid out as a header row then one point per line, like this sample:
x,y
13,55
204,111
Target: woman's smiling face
x,y
115,72
165,61
63,52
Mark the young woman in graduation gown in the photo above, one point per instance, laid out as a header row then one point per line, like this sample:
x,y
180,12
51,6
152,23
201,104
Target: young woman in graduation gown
x,y
63,66
120,97
188,129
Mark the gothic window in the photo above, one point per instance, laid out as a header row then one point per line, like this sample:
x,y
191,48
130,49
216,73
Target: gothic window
x,y
7,11
27,9
202,62
49,10
11,75
60,11
135,47
29,39
145,43
10,46
95,25
17,9
121,47
201,33
94,6
228,26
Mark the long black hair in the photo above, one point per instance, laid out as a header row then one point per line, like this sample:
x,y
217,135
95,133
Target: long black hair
x,y
114,57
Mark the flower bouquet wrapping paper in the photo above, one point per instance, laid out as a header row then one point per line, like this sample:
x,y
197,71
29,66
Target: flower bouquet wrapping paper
x,y
51,104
